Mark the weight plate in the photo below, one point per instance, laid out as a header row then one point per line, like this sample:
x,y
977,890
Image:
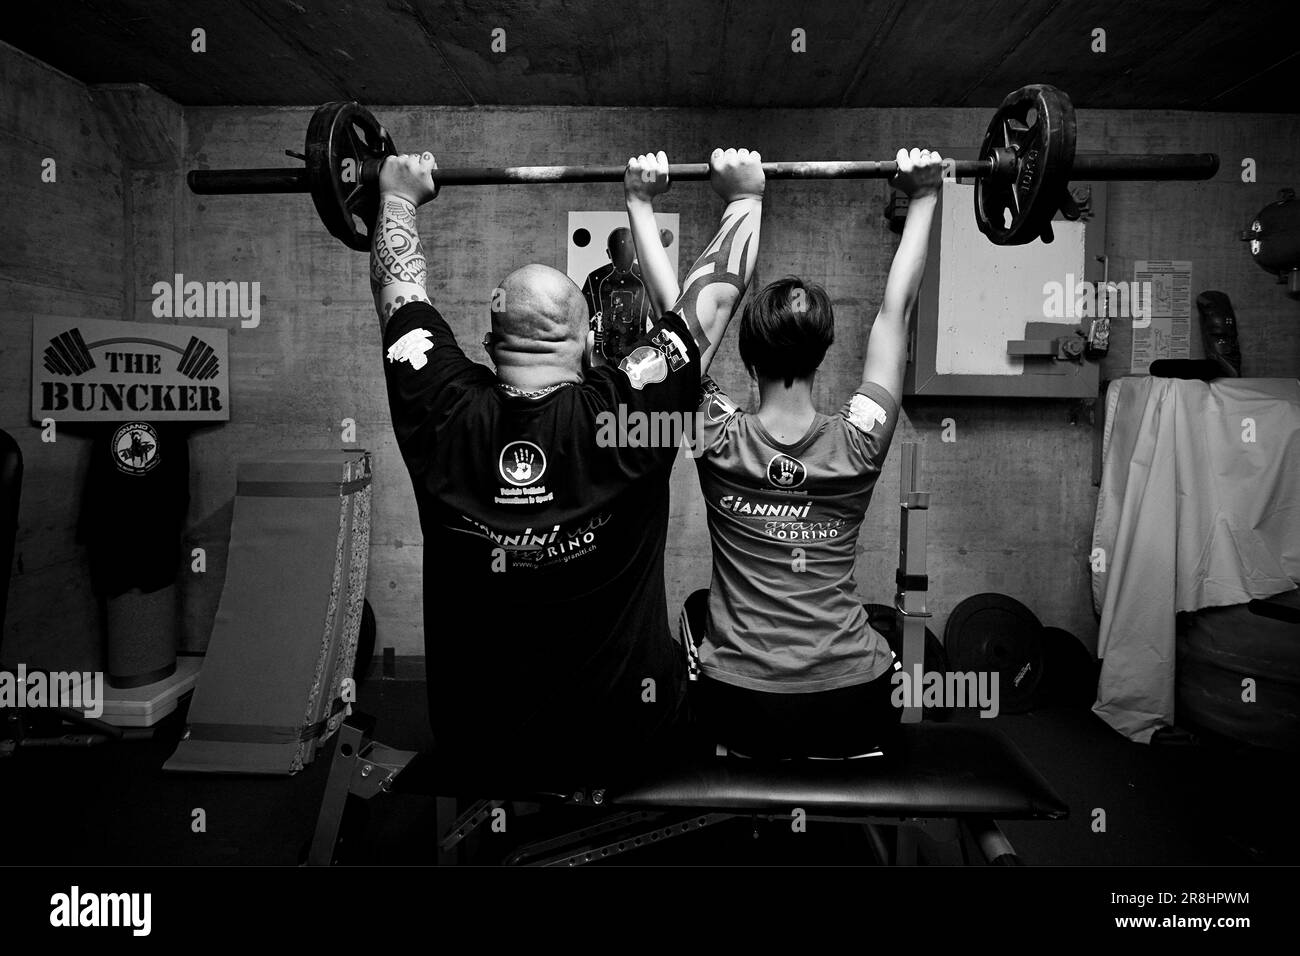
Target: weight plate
x,y
1036,123
341,137
995,633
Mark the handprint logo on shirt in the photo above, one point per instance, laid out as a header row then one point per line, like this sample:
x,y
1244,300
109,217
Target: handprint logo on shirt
x,y
523,466
783,471
522,463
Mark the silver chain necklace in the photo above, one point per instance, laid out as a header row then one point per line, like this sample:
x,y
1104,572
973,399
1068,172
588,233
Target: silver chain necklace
x,y
538,393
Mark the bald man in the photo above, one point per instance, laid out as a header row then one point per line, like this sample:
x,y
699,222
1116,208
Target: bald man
x,y
550,659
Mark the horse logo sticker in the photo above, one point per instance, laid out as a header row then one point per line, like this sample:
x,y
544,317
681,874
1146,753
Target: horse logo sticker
x,y
135,448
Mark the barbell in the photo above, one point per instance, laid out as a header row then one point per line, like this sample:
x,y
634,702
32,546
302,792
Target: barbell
x,y
1022,175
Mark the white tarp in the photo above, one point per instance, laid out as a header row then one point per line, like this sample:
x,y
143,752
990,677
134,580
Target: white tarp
x,y
1199,507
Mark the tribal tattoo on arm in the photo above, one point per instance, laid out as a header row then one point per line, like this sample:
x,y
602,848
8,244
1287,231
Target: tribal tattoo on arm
x,y
398,272
718,279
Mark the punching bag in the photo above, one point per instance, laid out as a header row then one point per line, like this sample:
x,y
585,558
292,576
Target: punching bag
x,y
133,514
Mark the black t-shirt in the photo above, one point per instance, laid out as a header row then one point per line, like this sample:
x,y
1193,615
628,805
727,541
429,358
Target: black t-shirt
x,y
547,635
133,511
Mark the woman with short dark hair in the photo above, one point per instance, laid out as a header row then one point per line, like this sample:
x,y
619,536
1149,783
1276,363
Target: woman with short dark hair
x,y
788,665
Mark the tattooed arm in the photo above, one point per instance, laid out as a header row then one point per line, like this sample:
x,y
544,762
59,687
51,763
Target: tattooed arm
x,y
718,279
397,268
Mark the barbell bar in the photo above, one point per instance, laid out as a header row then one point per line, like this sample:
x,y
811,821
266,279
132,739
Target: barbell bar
x,y
1022,176
1091,168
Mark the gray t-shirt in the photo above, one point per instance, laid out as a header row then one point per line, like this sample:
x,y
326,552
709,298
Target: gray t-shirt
x,y
784,520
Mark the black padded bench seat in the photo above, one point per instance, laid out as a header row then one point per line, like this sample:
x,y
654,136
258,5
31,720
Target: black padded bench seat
x,y
961,771
940,770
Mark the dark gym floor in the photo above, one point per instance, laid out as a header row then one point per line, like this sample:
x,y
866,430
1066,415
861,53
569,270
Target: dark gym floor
x,y
1175,804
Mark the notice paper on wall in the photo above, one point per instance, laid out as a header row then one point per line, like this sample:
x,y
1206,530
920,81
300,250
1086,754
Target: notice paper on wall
x,y
1163,330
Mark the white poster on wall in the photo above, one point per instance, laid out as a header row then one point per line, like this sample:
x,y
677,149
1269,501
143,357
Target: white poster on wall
x,y
987,294
1165,332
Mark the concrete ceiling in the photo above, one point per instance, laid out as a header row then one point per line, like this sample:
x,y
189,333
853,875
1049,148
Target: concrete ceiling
x,y
1231,55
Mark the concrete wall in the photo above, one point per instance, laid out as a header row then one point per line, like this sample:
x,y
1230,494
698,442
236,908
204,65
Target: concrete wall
x,y
1013,500
63,255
